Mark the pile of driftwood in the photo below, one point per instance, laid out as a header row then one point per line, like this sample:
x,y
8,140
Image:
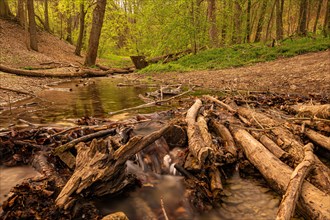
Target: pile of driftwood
x,y
202,143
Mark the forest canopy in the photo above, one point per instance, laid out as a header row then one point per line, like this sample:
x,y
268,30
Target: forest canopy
x,y
158,27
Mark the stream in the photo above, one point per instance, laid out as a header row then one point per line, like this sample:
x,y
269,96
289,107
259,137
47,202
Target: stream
x,y
244,198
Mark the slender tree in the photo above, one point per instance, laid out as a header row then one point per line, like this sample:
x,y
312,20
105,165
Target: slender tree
x,y
237,22
248,23
326,23
20,16
5,10
69,29
279,19
94,37
302,23
46,23
318,12
32,25
213,31
261,21
81,29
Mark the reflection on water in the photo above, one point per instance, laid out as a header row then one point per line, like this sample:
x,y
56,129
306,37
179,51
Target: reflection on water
x,y
11,176
93,97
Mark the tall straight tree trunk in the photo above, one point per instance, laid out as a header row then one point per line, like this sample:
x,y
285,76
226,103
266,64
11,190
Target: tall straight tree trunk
x,y
46,17
302,25
4,9
326,24
317,15
94,38
32,25
224,23
261,21
279,19
69,29
237,23
213,32
20,16
81,29
268,30
248,21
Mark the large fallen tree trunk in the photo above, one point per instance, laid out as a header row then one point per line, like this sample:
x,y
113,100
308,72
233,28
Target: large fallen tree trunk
x,y
290,198
313,203
317,138
100,170
288,142
319,111
63,74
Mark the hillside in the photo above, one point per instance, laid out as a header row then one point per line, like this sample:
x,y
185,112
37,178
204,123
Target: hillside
x,y
14,51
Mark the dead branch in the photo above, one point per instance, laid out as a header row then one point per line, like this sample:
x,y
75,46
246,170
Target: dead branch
x,y
317,138
319,111
212,99
290,198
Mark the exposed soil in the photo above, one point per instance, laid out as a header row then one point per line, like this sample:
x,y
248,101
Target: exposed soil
x,y
304,74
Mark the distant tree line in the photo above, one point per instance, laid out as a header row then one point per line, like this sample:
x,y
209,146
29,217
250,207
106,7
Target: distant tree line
x,y
155,27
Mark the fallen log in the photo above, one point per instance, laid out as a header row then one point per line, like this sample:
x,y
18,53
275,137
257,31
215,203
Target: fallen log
x,y
317,138
290,198
313,203
197,145
319,111
100,170
289,143
227,138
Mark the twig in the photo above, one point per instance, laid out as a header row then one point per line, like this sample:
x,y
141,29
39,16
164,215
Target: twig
x,y
163,208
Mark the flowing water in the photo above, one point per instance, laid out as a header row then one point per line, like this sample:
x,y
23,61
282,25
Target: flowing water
x,y
244,198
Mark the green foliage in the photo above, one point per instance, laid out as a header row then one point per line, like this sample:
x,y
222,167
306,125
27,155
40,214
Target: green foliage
x,y
242,54
115,60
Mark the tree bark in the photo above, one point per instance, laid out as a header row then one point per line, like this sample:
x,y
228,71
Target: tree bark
x,y
94,38
211,14
237,39
248,21
261,21
279,19
20,16
318,12
290,198
317,138
81,29
5,10
197,145
313,203
46,23
326,23
302,25
32,25
69,29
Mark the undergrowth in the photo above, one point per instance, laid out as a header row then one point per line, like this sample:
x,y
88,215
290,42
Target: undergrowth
x,y
241,54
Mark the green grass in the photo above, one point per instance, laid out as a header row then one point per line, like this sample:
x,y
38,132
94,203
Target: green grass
x,y
111,60
241,55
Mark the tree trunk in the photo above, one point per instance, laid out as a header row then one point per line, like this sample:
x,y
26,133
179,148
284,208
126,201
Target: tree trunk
x,y
81,30
268,30
319,5
5,10
69,29
326,24
94,38
237,23
313,203
248,23
302,25
20,16
290,198
224,23
261,21
32,26
279,19
213,32
46,24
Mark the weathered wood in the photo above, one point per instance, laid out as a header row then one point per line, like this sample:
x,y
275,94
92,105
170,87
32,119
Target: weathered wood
x,y
313,203
289,143
290,198
215,183
197,145
85,138
115,216
226,136
212,99
318,138
139,62
319,111
100,170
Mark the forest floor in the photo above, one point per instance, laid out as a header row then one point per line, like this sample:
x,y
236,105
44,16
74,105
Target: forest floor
x,y
304,74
